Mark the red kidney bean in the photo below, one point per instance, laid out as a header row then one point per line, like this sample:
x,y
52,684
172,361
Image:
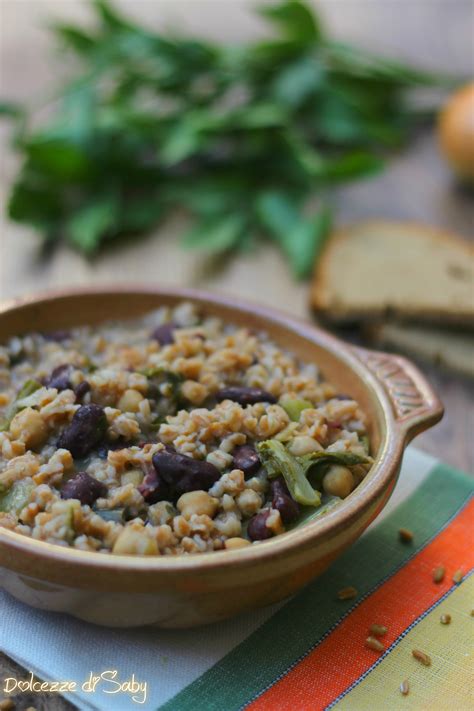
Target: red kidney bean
x,y
246,459
83,487
257,529
184,473
153,487
245,396
282,501
86,430
60,377
82,389
57,336
164,333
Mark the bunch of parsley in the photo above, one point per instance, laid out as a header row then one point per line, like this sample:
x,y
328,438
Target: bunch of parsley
x,y
242,137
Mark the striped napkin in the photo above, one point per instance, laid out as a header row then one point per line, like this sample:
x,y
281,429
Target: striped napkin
x,y
308,653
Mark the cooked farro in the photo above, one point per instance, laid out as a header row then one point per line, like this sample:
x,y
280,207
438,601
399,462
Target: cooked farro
x,y
170,434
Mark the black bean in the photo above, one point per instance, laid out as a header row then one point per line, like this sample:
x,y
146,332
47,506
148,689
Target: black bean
x,y
164,333
60,377
153,487
86,430
245,396
82,389
282,501
83,487
343,396
257,529
184,473
246,459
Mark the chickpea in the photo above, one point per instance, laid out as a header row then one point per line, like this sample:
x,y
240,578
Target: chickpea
x,y
338,481
29,427
135,541
197,502
132,476
249,502
130,401
233,543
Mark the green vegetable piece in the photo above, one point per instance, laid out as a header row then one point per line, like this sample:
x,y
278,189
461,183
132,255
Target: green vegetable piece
x,y
27,389
310,514
17,496
294,407
277,461
116,515
347,459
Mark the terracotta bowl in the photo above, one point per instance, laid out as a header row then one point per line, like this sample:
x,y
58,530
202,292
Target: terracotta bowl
x,y
183,591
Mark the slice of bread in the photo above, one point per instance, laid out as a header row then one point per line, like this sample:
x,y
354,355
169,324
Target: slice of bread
x,y
451,349
412,271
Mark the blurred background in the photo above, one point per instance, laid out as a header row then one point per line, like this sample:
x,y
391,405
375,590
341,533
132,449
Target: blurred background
x,y
417,182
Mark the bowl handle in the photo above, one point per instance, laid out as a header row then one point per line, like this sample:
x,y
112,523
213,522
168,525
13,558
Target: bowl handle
x,y
416,406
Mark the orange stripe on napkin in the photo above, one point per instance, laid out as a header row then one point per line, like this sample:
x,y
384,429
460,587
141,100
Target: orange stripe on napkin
x,y
342,658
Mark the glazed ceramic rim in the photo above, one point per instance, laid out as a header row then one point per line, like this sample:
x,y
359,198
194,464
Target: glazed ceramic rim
x,y
384,470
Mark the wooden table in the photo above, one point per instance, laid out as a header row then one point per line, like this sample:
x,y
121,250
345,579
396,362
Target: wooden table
x,y
416,185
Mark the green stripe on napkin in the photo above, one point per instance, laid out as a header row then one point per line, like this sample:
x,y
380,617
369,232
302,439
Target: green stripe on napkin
x,y
290,633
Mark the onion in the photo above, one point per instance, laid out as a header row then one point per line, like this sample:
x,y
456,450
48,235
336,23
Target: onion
x,y
456,131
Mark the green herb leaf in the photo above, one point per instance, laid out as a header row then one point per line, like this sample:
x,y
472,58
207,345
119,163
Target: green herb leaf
x,y
298,81
295,20
216,235
89,225
242,137
301,238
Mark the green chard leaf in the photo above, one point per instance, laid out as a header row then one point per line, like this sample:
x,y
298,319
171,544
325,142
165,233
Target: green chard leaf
x,y
28,388
17,496
278,461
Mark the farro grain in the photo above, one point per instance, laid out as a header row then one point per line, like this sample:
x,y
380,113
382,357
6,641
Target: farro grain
x,y
347,593
439,573
405,687
375,644
421,657
405,535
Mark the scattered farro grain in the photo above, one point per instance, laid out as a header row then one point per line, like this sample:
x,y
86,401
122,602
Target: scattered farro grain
x,y
439,573
445,619
457,577
375,644
472,613
347,593
377,630
406,536
7,705
421,657
405,687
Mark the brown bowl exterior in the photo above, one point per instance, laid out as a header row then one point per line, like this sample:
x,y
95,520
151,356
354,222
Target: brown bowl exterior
x,y
182,591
